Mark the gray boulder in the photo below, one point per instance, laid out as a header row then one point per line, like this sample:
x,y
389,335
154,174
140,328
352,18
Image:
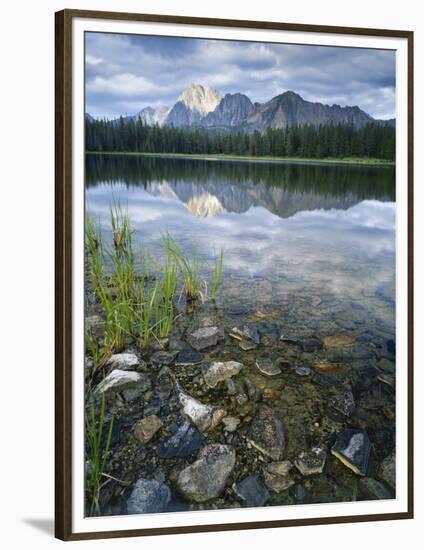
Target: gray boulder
x,y
148,497
205,337
207,477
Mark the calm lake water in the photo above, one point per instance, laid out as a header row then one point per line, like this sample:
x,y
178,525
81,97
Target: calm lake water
x,y
302,230
309,253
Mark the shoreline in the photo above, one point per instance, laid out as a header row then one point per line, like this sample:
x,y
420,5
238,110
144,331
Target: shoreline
x,y
259,159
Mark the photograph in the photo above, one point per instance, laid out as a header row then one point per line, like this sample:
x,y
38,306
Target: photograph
x,y
239,274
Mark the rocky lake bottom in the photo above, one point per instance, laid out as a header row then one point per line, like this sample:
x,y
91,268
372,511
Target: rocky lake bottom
x,y
258,405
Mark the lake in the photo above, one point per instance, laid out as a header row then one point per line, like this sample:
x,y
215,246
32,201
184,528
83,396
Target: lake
x,y
309,256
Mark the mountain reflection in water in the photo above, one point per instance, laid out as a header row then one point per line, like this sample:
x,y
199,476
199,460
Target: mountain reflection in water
x,y
302,228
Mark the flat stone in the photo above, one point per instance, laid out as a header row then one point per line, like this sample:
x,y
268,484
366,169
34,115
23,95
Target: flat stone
x,y
331,368
338,341
302,371
205,337
252,490
375,489
163,358
387,470
189,357
247,332
119,380
146,428
182,443
352,448
266,366
343,403
230,423
266,433
123,361
247,345
216,372
205,417
311,462
148,497
207,477
277,476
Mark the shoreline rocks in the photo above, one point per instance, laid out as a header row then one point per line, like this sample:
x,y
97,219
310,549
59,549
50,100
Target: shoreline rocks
x,y
207,477
216,372
184,442
252,491
148,497
277,476
311,462
266,433
204,417
352,448
146,428
119,380
205,337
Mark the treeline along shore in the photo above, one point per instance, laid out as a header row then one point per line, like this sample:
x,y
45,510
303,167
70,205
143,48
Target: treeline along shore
x,y
342,141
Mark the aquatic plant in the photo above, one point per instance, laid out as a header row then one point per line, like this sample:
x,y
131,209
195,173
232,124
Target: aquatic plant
x,y
97,453
189,270
164,299
217,273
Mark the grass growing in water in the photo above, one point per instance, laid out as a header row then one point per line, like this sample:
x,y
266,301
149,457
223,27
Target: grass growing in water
x,y
189,270
134,306
217,273
97,453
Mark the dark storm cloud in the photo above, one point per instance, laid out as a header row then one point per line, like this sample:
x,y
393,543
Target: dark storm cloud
x,y
125,73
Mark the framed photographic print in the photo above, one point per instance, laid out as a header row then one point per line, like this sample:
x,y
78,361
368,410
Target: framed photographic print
x,y
234,274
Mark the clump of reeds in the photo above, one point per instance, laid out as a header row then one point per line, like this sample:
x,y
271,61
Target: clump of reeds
x,y
189,270
97,453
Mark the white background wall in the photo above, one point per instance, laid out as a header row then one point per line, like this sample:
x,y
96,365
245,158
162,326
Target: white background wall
x,y
27,265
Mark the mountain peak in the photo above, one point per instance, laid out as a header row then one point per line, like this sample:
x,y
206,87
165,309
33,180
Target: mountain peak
x,y
201,99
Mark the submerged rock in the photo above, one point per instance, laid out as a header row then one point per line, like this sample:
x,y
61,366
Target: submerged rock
x,y
207,477
119,380
387,471
189,357
205,417
146,428
311,462
246,332
352,447
302,371
148,497
216,372
123,361
338,341
247,345
252,490
277,476
205,337
182,443
266,366
343,403
266,433
331,368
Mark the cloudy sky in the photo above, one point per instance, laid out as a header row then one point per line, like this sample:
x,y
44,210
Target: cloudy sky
x,y
125,73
